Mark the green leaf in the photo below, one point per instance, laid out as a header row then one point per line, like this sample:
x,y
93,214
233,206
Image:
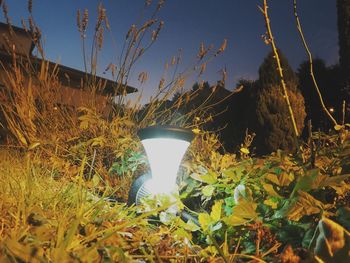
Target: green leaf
x,y
208,190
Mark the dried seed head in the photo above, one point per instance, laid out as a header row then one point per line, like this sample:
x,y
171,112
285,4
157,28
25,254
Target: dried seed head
x,y
160,4
223,47
30,6
143,77
100,38
79,21
31,24
24,25
161,83
102,12
202,51
107,23
181,81
148,24
101,16
203,68
142,50
173,61
155,33
131,30
224,75
6,15
112,67
85,20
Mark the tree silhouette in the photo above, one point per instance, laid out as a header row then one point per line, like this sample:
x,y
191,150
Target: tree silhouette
x,y
343,9
329,82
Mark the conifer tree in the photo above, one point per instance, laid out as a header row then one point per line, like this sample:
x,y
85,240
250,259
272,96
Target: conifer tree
x,y
274,128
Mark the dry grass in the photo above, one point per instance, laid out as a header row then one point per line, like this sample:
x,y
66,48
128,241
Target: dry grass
x,y
49,220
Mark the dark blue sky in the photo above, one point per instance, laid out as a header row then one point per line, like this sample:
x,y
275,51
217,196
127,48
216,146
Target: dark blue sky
x,y
187,24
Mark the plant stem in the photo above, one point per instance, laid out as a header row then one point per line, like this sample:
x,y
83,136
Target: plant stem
x,y
301,34
280,71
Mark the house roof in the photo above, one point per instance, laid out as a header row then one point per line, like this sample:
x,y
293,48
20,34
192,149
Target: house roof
x,y
68,76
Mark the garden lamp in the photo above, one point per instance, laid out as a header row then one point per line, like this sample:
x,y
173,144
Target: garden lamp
x,y
165,147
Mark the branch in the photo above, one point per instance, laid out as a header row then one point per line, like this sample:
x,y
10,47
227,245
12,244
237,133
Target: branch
x,y
279,69
301,34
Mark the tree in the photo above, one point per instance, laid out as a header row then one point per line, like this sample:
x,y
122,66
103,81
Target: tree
x,y
240,115
329,83
274,128
343,8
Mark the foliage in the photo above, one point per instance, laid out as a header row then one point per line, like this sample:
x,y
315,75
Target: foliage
x,y
261,209
277,197
60,178
273,121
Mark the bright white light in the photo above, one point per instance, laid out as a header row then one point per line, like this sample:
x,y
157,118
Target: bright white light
x,y
164,156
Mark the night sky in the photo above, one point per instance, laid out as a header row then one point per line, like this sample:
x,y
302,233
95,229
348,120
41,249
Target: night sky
x,y
187,24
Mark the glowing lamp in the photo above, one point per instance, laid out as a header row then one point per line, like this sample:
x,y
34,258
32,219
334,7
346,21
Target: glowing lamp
x,y
165,147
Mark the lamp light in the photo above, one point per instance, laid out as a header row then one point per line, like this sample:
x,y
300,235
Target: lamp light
x,y
165,147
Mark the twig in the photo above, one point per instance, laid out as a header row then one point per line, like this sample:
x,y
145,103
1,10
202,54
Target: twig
x,y
218,248
307,49
343,113
280,71
311,145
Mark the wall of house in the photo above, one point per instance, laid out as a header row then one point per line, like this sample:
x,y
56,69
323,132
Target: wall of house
x,y
20,40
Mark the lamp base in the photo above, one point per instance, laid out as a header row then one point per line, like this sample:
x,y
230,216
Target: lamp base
x,y
138,189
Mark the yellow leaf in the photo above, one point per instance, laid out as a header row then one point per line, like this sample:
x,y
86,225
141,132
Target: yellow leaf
x,y
283,179
244,150
216,211
338,127
271,203
270,190
196,131
33,145
204,220
208,190
242,213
